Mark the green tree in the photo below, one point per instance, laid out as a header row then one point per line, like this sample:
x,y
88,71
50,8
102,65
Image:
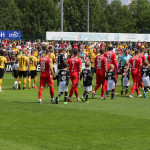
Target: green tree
x,y
119,18
10,16
140,10
39,16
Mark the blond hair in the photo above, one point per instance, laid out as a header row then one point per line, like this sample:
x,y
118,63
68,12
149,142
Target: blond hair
x,y
87,64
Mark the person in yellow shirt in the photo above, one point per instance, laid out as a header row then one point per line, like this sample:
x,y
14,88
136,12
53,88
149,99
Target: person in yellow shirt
x,y
3,61
93,69
33,73
52,57
16,51
22,69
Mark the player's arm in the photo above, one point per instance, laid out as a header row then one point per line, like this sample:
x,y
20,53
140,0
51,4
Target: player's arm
x,y
57,77
28,64
115,62
51,69
114,77
35,62
106,76
81,75
67,79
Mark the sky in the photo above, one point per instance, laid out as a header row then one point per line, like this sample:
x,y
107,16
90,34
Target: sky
x,y
123,1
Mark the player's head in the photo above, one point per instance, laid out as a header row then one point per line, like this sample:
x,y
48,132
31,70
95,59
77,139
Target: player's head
x,y
142,50
87,64
111,67
76,52
64,65
146,63
50,49
48,52
126,63
97,50
102,51
110,48
136,52
2,53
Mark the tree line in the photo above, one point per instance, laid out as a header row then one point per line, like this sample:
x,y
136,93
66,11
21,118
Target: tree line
x,y
39,16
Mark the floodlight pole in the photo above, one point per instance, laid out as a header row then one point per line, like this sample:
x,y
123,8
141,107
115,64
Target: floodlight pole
x,y
88,16
61,15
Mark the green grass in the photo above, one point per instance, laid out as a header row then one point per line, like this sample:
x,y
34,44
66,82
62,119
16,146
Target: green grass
x,y
121,124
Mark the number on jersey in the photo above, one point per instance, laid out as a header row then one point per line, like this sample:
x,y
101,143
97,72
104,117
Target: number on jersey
x,y
42,65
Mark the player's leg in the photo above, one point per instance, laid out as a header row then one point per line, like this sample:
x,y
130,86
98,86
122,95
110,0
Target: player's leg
x,y
103,82
42,85
1,77
98,84
126,90
24,79
134,85
0,84
87,95
29,81
57,98
113,93
35,79
20,74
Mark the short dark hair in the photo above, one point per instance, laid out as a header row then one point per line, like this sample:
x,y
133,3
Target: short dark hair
x,y
136,52
110,48
47,51
76,52
102,50
64,65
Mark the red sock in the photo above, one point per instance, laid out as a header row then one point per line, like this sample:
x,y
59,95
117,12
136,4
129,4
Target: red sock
x,y
96,88
71,92
133,88
106,85
137,89
76,92
40,93
103,90
52,92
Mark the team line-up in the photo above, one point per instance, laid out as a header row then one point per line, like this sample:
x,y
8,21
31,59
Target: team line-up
x,y
106,69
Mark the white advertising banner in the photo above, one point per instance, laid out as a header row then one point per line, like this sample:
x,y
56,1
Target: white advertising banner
x,y
84,36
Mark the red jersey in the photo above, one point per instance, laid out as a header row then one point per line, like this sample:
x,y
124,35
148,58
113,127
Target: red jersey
x,y
148,59
111,58
142,56
138,45
135,63
44,63
74,64
100,63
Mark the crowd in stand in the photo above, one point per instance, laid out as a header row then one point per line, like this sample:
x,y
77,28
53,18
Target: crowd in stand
x,y
86,49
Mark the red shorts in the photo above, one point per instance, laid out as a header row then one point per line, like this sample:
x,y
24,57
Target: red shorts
x,y
46,79
74,78
100,79
135,78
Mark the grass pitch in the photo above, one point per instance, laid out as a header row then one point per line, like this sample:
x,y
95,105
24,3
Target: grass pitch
x,y
120,124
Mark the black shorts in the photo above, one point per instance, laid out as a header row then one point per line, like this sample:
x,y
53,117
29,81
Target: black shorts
x,y
22,73
32,73
93,70
1,73
15,74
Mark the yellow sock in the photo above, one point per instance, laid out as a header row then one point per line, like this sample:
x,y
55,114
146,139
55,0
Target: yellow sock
x,y
0,83
29,81
24,82
35,81
19,80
